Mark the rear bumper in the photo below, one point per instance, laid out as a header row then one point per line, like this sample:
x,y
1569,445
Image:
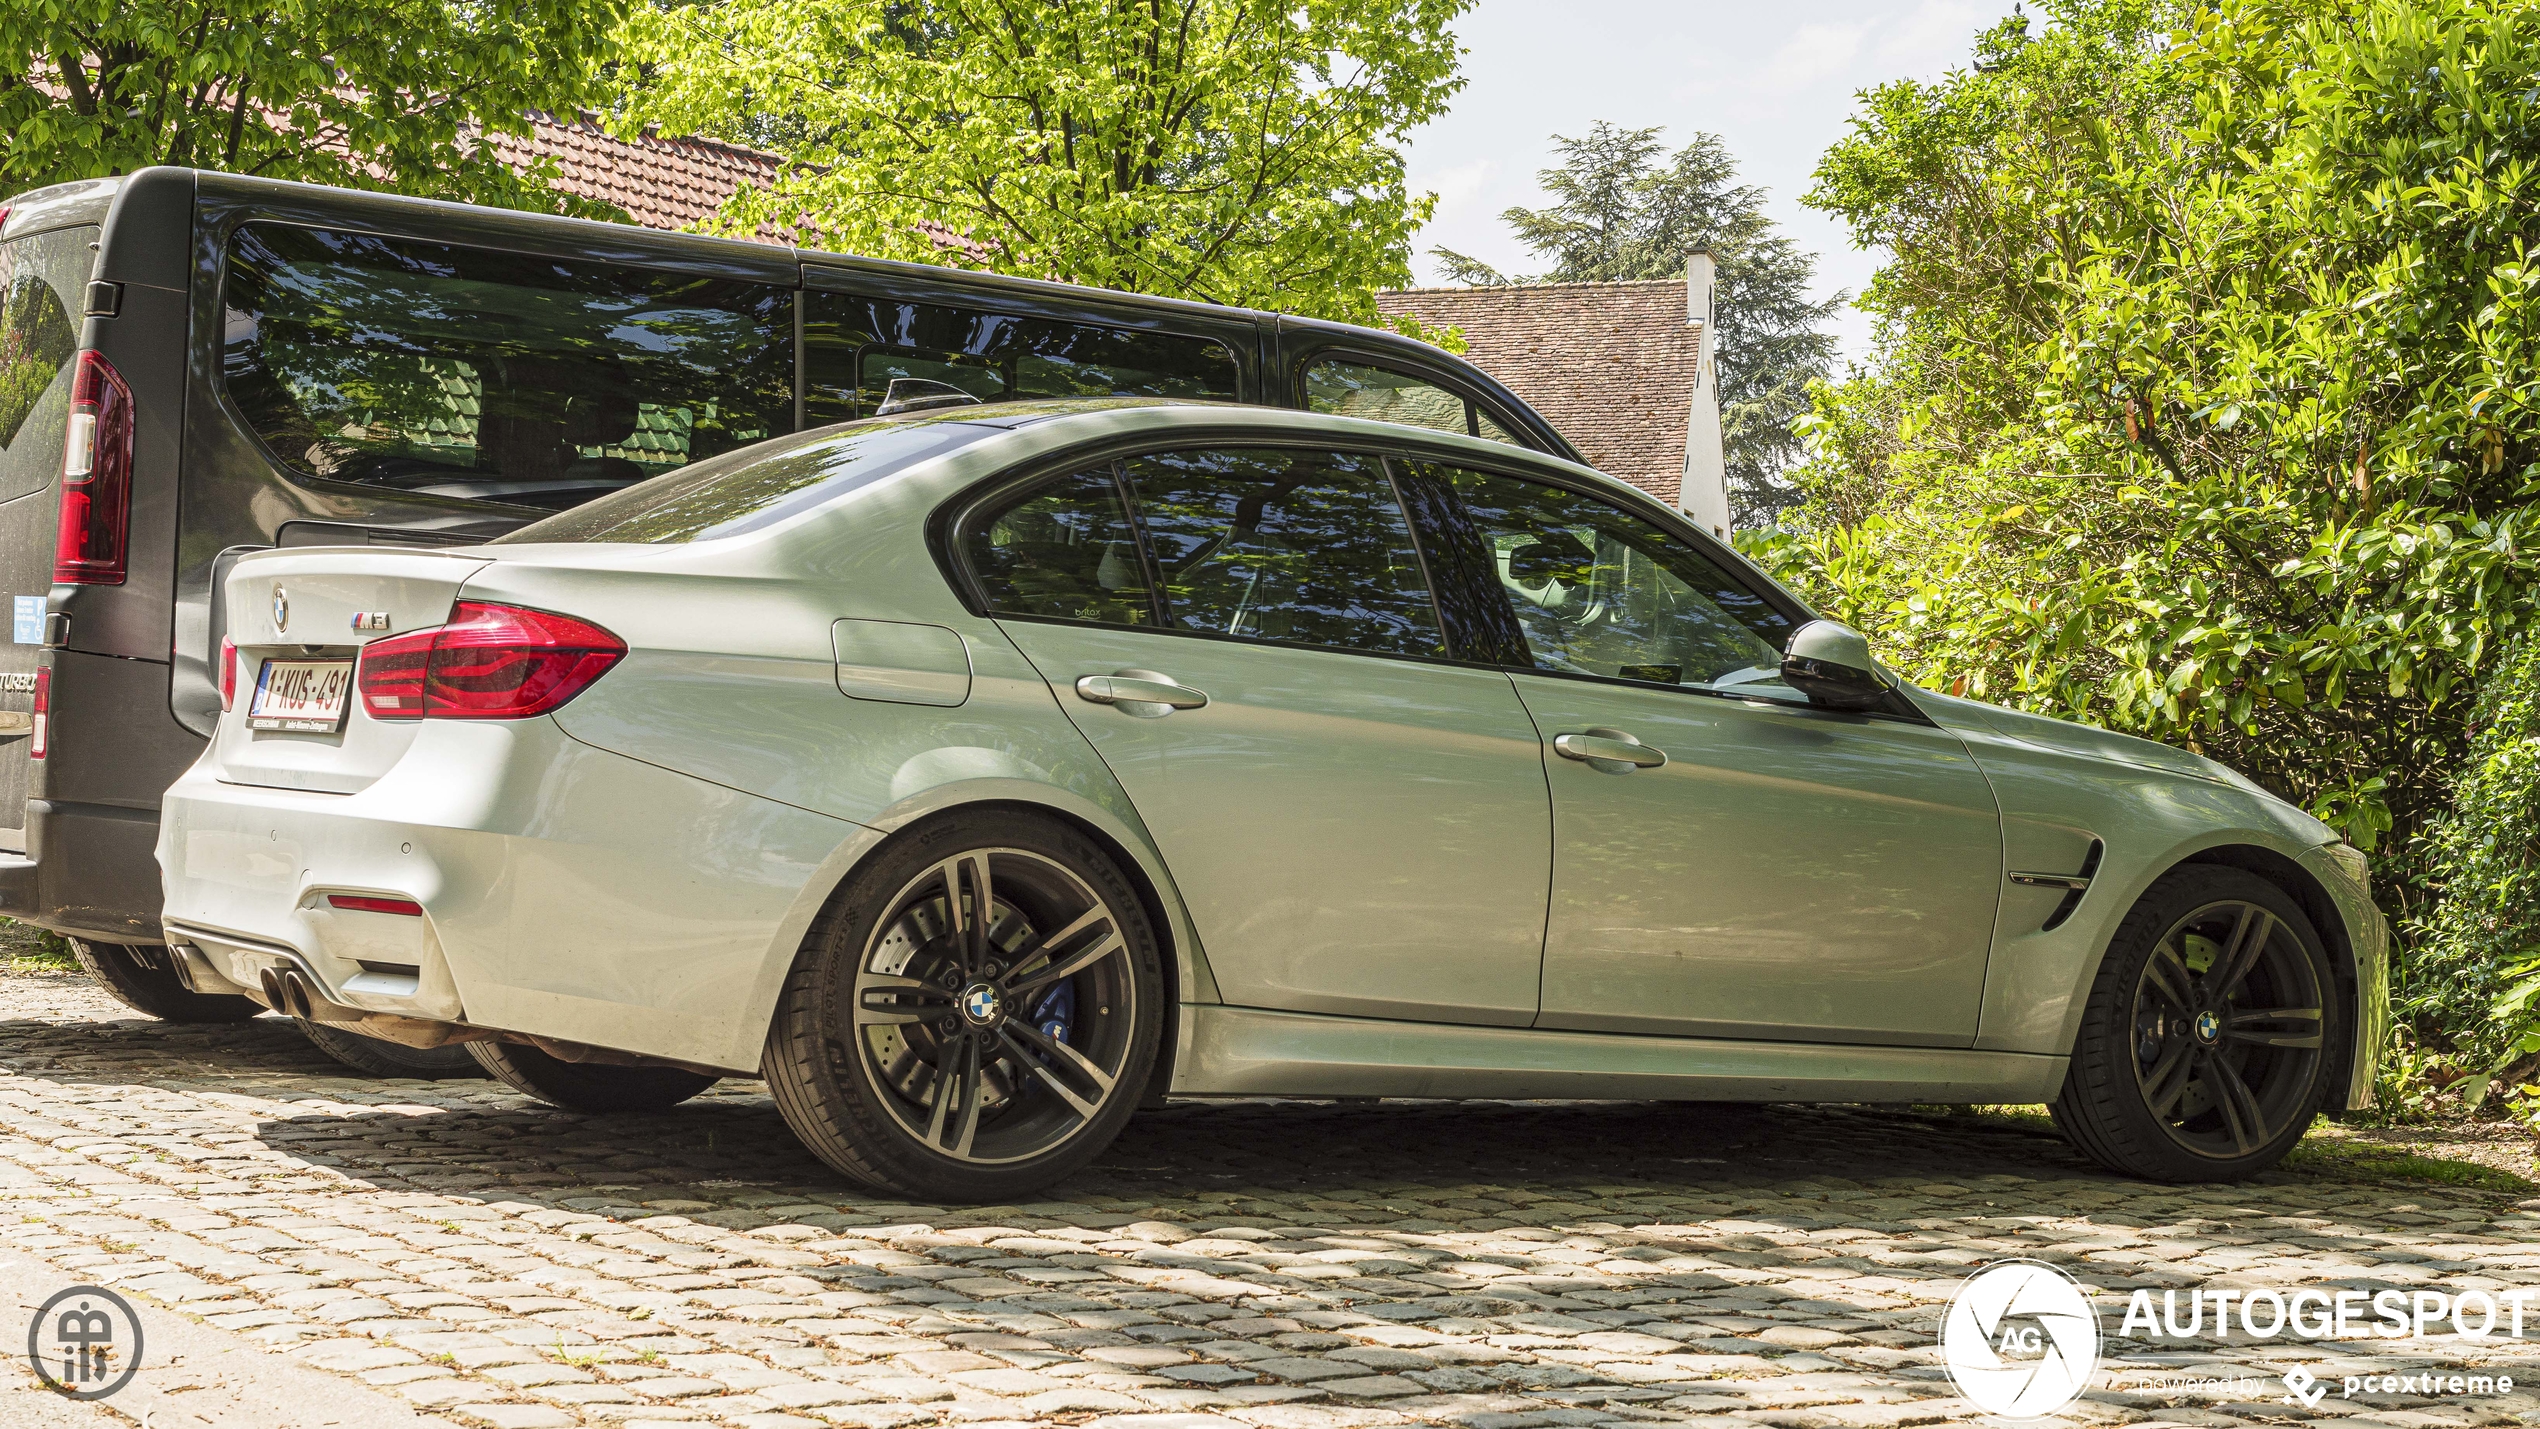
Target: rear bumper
x,y
87,872
566,892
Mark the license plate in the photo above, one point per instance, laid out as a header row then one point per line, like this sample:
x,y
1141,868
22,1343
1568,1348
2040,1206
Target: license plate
x,y
302,695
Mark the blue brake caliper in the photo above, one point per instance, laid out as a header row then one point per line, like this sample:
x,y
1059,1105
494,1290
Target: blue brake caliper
x,y
1056,1016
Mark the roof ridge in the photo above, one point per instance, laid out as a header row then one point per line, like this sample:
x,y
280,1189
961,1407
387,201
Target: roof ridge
x,y
1539,287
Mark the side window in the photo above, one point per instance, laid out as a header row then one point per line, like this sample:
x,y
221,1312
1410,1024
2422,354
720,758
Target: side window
x,y
1599,591
40,279
855,346
1063,550
1303,548
1357,389
489,376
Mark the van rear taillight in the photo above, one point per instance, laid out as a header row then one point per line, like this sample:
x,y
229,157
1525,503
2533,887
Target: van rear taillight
x,y
489,662
42,723
228,674
88,548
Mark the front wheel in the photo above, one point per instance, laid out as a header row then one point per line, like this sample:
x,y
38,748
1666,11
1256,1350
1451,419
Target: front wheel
x,y
2203,1052
145,980
975,1013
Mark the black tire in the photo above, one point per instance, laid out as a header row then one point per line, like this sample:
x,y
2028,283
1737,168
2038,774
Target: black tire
x,y
144,979
382,1058
876,1096
2204,1051
593,1087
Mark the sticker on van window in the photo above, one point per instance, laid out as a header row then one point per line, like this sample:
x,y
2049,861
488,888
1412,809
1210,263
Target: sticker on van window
x,y
29,622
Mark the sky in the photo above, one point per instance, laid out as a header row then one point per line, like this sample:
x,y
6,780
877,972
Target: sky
x,y
1776,81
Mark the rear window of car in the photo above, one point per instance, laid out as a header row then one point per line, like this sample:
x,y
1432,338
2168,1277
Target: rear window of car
x,y
480,375
747,490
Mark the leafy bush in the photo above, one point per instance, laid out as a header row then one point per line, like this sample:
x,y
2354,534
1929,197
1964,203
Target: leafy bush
x,y
2207,399
2483,856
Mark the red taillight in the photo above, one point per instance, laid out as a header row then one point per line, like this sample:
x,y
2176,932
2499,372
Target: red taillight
x,y
88,548
362,903
42,723
228,674
489,662
391,678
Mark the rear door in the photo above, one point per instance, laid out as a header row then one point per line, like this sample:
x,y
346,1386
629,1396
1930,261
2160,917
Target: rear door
x,y
1357,826
42,276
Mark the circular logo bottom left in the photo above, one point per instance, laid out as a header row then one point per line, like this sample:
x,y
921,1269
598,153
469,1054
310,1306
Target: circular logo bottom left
x,y
85,1342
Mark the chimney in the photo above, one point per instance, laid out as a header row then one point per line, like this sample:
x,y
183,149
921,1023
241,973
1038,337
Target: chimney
x,y
1706,483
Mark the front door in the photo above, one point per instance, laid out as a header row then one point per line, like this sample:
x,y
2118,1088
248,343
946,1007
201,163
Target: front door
x,y
1357,826
1756,867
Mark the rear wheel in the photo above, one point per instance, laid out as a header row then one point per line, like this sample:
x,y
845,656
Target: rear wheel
x,y
144,979
587,1086
2203,1053
974,1014
382,1058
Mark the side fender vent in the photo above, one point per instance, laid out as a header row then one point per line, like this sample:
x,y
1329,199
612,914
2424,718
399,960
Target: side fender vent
x,y
2075,885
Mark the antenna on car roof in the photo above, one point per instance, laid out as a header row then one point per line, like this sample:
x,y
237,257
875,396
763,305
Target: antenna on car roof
x,y
917,394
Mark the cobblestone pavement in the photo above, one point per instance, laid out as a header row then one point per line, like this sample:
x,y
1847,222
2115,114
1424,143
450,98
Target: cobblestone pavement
x,y
1278,1266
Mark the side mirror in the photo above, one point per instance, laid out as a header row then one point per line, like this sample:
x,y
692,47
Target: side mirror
x,y
1829,662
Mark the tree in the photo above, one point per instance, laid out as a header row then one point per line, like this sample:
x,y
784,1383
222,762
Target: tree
x,y
2204,403
1233,151
1622,210
394,94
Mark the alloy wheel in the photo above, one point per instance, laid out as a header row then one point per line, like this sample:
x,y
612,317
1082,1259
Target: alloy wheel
x,y
2227,1030
994,1006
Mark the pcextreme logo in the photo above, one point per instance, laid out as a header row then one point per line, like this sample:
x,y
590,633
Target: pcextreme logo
x,y
2021,1339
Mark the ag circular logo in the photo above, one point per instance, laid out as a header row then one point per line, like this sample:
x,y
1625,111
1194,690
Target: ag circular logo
x,y
85,1342
2021,1340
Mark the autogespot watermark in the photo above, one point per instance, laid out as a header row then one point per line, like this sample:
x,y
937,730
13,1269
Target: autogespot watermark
x,y
85,1342
2022,1340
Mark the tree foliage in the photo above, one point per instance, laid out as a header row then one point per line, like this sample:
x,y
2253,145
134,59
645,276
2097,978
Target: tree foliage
x,y
1623,209
2206,404
1235,151
391,94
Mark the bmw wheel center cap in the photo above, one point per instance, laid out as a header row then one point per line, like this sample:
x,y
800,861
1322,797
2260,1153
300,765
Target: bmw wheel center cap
x,y
2208,1027
981,1005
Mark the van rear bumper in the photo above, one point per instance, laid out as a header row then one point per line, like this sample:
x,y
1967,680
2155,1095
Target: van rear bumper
x,y
90,870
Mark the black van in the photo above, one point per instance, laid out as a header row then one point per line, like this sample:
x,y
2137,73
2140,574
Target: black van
x,y
197,365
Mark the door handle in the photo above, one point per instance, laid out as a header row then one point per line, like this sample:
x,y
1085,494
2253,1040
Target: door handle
x,y
1143,693
1610,750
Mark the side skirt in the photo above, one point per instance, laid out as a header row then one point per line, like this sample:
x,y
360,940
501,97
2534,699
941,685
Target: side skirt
x,y
1245,1051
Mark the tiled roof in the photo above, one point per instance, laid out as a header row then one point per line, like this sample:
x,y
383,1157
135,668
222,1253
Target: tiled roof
x,y
1609,364
672,183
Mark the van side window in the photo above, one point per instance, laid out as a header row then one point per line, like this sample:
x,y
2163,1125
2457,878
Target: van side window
x,y
481,375
1357,389
854,347
40,278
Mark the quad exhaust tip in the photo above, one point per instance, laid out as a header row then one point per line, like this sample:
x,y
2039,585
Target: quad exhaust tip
x,y
286,993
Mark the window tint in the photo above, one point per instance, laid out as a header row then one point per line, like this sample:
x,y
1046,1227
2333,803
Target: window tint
x,y
1599,591
1355,389
489,376
40,279
1063,551
1304,548
854,347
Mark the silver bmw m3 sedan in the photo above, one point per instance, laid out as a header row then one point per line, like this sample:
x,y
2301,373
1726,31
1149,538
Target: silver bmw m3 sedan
x,y
978,775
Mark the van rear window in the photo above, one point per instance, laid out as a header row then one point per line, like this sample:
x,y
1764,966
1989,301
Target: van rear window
x,y
41,275
481,375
